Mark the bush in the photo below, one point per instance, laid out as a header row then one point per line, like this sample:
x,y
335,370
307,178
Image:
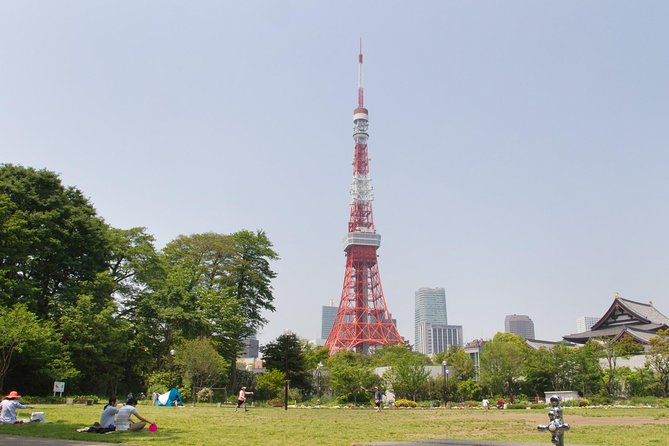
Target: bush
x,y
537,406
405,403
28,399
517,406
600,400
358,398
205,394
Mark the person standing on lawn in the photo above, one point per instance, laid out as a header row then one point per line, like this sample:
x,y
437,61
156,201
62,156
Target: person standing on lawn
x,y
241,399
378,397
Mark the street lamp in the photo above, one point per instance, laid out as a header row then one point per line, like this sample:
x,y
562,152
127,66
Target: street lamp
x,y
318,381
444,372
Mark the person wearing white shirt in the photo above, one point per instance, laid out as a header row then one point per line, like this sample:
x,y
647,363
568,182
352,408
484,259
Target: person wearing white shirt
x,y
8,408
123,421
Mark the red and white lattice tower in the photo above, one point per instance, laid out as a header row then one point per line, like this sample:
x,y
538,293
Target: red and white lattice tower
x,y
363,321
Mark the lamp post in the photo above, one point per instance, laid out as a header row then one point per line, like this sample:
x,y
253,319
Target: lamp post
x,y
444,372
318,381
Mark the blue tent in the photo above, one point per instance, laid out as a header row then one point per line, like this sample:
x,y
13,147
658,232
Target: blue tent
x,y
171,398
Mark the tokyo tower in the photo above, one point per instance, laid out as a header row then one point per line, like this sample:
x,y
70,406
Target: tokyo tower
x,y
363,321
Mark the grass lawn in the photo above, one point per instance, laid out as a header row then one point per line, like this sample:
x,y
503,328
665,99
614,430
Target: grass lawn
x,y
212,425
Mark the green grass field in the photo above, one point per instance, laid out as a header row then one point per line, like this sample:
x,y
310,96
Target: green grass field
x,y
212,425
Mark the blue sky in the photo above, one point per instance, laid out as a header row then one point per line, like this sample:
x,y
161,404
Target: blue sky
x,y
518,149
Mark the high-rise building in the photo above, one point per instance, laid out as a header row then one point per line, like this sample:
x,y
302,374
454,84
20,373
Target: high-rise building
x,y
328,317
430,306
433,334
519,324
585,323
251,347
436,338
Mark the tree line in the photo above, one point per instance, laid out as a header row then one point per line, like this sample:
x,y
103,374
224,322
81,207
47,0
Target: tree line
x,y
104,310
508,368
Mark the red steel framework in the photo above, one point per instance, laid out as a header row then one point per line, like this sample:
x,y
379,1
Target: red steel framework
x,y
363,320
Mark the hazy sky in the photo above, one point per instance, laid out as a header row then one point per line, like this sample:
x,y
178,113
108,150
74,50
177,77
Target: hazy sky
x,y
518,149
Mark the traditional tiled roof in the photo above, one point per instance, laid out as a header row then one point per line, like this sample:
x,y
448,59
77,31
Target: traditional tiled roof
x,y
639,320
537,343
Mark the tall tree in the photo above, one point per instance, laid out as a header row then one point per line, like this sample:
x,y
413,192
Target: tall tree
x,y
658,358
201,364
97,341
25,340
250,275
51,241
408,376
611,350
285,354
349,371
503,363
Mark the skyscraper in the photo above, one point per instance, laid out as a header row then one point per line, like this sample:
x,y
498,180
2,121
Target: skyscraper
x,y
430,307
433,334
519,324
328,317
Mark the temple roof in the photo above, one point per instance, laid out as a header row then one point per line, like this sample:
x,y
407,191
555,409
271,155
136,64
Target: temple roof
x,y
639,320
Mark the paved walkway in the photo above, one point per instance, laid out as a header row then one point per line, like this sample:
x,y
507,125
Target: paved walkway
x,y
14,440
455,443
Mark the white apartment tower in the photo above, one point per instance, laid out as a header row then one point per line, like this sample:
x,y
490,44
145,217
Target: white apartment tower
x,y
585,323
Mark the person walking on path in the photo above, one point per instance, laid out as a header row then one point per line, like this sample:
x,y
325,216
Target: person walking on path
x,y
241,399
378,397
8,408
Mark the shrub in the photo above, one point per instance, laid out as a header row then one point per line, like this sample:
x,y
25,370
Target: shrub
x,y
537,406
358,398
205,394
28,399
598,400
405,403
516,406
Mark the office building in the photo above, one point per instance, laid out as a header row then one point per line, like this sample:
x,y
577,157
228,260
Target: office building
x,y
251,348
519,324
430,306
436,338
585,323
327,320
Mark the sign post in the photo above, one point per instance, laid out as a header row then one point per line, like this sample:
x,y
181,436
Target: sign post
x,y
58,387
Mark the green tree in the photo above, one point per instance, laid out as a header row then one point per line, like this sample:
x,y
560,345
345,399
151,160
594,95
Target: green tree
x,y
461,364
349,371
37,343
97,342
408,377
200,363
658,358
51,241
390,355
503,363
285,353
611,350
271,384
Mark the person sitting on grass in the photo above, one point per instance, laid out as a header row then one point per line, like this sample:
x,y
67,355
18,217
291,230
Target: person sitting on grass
x,y
107,421
8,408
123,421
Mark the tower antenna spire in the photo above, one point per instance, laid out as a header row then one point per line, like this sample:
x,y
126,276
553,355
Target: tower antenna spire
x,y
360,87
